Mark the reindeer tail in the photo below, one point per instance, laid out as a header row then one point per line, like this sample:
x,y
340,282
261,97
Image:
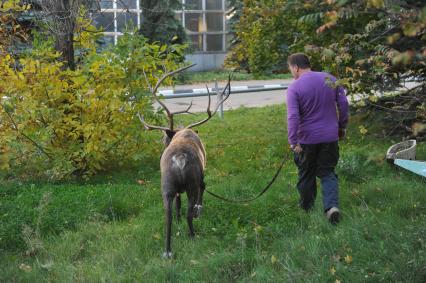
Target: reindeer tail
x,y
179,160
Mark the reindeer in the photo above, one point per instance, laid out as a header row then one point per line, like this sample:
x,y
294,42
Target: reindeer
x,y
182,162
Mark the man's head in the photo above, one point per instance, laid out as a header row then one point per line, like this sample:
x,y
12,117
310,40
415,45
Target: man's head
x,y
298,63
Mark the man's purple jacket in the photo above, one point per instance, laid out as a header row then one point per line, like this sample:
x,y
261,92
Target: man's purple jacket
x,y
315,110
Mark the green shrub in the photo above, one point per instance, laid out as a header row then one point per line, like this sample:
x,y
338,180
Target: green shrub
x,y
56,122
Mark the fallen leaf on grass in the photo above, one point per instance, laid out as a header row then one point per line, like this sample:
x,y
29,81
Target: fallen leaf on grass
x,y
348,259
156,236
25,267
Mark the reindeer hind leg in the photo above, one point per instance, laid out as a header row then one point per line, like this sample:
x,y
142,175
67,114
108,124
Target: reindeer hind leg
x,y
168,202
178,206
190,214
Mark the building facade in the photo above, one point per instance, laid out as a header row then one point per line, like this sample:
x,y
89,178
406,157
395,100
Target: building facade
x,y
205,23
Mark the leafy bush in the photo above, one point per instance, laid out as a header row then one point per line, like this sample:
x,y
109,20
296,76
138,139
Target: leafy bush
x,y
266,33
374,47
10,31
59,122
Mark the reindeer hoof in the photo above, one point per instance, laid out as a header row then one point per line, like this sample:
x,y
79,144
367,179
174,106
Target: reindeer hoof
x,y
167,255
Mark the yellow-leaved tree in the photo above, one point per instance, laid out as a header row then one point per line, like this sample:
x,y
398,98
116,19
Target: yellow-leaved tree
x,y
58,122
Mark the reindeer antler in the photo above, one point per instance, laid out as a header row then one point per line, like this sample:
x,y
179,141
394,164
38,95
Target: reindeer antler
x,y
224,96
148,126
154,94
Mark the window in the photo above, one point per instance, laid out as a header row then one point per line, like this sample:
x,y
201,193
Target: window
x,y
214,21
126,4
196,42
205,23
117,16
214,42
194,22
213,4
106,4
194,4
104,20
126,21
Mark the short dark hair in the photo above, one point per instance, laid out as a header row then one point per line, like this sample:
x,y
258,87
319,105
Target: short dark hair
x,y
299,60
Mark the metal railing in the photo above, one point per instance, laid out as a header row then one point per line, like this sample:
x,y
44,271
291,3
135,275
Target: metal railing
x,y
199,92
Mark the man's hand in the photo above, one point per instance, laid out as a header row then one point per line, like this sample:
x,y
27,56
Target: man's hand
x,y
296,148
342,133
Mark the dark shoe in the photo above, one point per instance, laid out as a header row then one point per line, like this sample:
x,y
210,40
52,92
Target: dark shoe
x,y
333,215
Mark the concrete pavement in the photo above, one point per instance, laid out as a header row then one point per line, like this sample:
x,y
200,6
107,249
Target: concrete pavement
x,y
252,99
249,99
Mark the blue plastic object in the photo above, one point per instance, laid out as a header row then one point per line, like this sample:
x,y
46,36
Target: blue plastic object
x,y
418,167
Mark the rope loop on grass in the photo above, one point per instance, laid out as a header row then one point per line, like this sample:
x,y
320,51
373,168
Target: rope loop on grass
x,y
256,197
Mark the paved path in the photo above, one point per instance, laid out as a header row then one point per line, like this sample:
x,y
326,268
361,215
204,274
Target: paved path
x,y
252,99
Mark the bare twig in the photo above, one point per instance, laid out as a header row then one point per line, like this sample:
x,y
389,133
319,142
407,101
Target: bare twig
x,y
15,127
390,109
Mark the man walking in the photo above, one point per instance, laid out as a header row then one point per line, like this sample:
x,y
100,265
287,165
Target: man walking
x,y
314,128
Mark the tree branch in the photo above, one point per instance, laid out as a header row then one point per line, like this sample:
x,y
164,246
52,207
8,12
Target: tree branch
x,y
15,127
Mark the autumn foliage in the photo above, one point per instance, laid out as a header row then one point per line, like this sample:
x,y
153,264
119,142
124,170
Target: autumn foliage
x,y
376,48
57,122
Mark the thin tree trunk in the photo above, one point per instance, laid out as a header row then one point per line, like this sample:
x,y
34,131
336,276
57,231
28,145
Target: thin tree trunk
x,y
65,45
63,14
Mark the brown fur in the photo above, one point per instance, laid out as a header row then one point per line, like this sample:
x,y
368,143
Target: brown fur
x,y
182,170
183,161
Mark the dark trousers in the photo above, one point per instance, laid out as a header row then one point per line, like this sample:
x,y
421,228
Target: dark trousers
x,y
318,160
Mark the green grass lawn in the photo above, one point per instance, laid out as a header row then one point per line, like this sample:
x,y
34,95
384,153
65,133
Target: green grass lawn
x,y
111,228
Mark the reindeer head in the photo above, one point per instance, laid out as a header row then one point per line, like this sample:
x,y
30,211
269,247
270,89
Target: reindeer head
x,y
167,137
